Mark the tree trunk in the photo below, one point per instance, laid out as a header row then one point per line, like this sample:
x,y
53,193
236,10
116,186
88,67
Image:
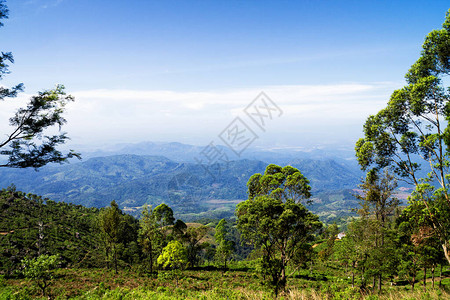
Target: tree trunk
x,y
151,257
445,248
283,269
374,281
440,277
379,283
353,274
115,258
413,281
432,275
424,278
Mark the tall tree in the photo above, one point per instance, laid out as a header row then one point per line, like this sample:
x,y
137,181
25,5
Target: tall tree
x,y
274,220
420,241
192,239
110,221
163,215
225,246
414,128
150,236
26,145
378,203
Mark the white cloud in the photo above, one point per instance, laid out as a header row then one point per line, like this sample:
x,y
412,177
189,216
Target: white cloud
x,y
99,116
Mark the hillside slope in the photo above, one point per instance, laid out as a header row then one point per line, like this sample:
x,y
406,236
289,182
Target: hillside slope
x,y
189,188
29,226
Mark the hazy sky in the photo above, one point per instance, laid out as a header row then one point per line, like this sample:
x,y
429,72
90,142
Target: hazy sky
x,y
183,70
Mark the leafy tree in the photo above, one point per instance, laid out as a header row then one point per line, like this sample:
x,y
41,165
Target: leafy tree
x,y
192,239
414,127
26,145
163,215
179,229
354,249
150,236
274,220
40,270
129,249
347,250
225,246
280,183
420,242
331,234
173,256
410,239
378,203
110,221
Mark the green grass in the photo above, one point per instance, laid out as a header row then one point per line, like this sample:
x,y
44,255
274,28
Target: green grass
x,y
240,282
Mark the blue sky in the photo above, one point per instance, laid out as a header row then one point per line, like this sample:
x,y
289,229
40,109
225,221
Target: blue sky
x,y
182,70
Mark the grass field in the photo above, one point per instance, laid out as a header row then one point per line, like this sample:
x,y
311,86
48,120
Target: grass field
x,y
239,282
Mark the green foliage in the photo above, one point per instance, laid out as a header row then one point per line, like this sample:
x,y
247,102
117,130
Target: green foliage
x,y
414,126
30,225
225,246
273,219
163,215
119,232
173,256
192,239
150,236
40,270
26,145
280,183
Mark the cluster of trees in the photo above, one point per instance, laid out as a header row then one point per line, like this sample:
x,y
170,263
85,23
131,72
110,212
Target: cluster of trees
x,y
385,242
31,226
156,240
412,132
38,235
410,135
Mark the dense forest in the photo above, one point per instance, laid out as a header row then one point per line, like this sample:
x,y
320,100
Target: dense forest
x,y
273,245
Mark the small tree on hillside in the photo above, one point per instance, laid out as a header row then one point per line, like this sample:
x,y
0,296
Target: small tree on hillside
x,y
40,270
110,221
173,256
150,236
192,239
225,246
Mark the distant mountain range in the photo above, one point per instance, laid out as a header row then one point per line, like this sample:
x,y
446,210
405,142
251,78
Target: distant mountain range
x,y
192,189
187,153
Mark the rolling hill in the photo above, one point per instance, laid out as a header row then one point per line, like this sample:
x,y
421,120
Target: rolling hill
x,y
135,180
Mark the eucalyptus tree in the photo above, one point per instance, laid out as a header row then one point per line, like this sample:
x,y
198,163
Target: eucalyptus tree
x,y
151,238
225,245
192,238
413,132
26,145
110,221
163,215
274,220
